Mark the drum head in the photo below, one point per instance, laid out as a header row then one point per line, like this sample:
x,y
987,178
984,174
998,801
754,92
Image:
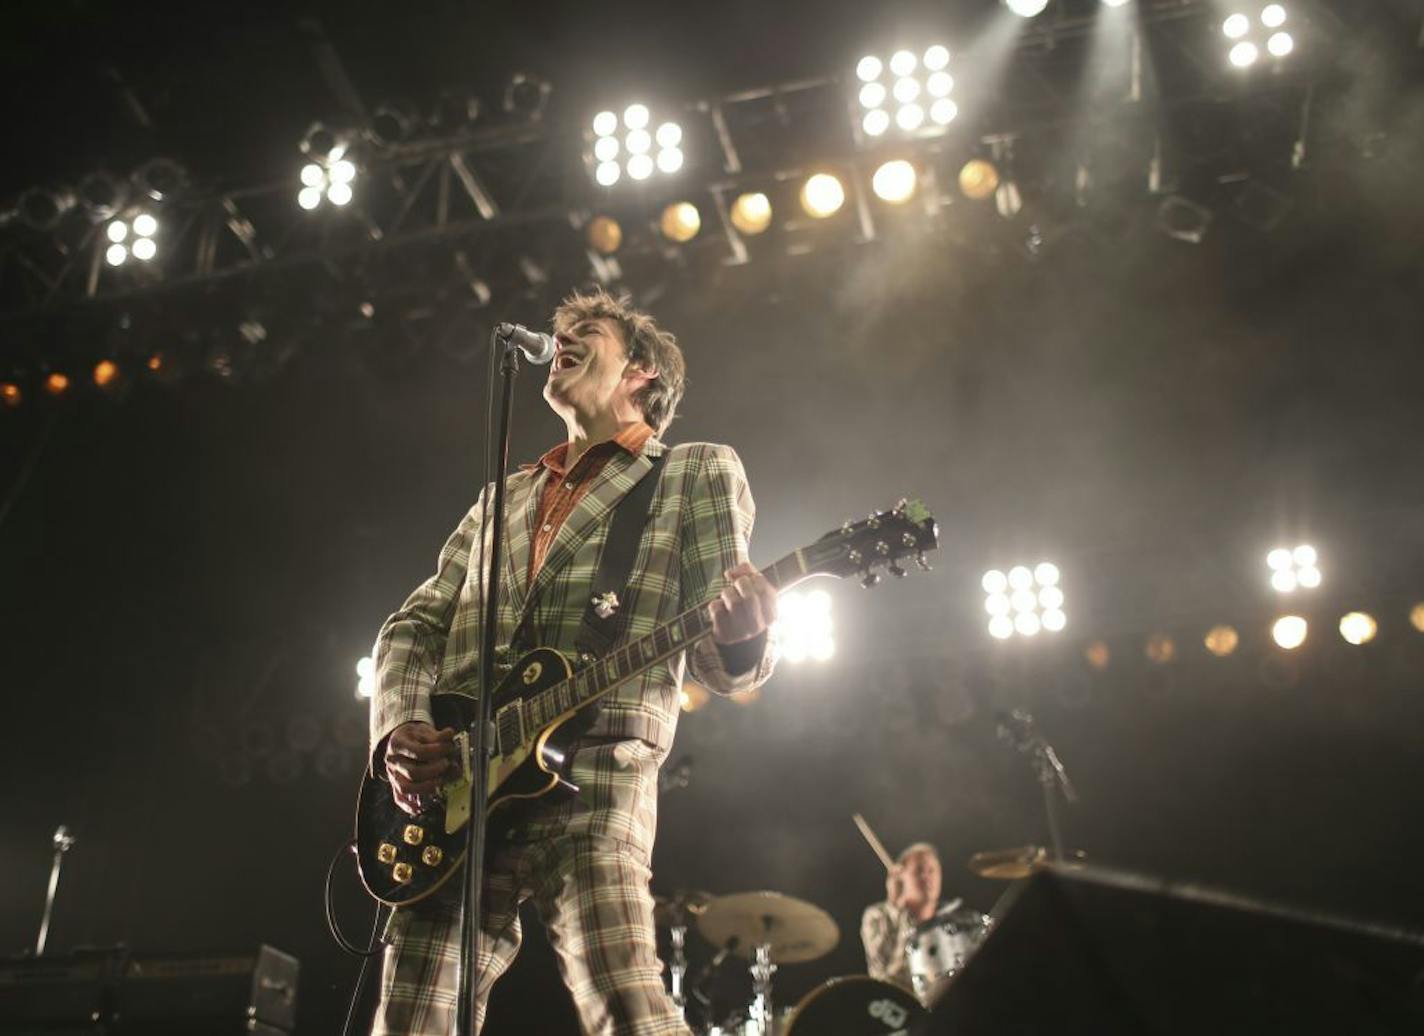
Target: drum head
x,y
854,1006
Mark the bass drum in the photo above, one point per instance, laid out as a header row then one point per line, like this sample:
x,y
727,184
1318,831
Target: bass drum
x,y
854,1006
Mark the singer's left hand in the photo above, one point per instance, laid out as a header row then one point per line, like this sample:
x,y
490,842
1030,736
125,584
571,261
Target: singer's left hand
x,y
746,606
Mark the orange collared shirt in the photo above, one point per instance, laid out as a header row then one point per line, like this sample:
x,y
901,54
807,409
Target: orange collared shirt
x,y
566,487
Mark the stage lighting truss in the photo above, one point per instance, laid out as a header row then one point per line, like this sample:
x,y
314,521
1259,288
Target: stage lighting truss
x,y
1260,34
132,237
1024,600
631,146
1294,568
328,179
907,94
803,626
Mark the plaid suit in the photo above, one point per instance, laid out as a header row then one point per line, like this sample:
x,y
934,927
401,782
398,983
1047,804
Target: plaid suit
x,y
585,861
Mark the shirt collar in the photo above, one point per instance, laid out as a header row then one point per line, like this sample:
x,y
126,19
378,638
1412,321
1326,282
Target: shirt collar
x,y
631,438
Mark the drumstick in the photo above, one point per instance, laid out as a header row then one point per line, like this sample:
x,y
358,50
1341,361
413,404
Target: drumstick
x,y
874,842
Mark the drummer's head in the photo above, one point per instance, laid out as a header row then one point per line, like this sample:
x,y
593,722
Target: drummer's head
x,y
919,863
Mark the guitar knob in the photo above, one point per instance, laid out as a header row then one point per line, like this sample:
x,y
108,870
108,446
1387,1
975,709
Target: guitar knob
x,y
920,560
897,571
870,579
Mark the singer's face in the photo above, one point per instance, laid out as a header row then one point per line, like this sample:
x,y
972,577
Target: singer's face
x,y
591,374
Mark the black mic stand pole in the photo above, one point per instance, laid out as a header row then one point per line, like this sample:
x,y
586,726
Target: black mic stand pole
x,y
481,743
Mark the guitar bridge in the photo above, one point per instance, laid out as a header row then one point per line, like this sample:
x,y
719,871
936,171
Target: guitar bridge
x,y
509,727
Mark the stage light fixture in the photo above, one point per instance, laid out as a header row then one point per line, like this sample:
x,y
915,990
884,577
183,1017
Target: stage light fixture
x,y
56,383
131,237
10,394
894,181
751,213
1098,655
160,178
365,678
1358,627
1023,600
979,179
1160,649
1292,568
330,178
102,195
154,362
804,629
680,222
895,92
1115,3
1222,640
1251,37
636,147
106,374
41,208
822,195
605,234
526,96
1416,616
1027,8
1289,631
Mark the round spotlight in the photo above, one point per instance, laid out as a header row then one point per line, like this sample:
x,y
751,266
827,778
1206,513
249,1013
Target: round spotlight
x,y
607,173
994,582
640,167
115,254
868,68
339,194
875,123
106,372
943,111
1027,623
144,249
635,116
1114,3
1309,577
1160,649
670,159
1236,26
145,225
1273,16
638,142
910,117
605,149
939,84
936,58
978,179
902,63
822,195
1280,44
1221,640
669,135
1054,620
1289,631
1097,654
605,124
680,222
1023,600
872,95
1358,628
342,171
1020,578
751,213
1244,54
996,604
907,89
309,197
1279,559
1001,627
10,394
117,231
604,234
1046,573
1305,555
894,181
1284,580
1027,8
1416,616
312,176
1050,597
56,383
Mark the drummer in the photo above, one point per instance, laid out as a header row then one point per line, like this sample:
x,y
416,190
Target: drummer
x,y
912,889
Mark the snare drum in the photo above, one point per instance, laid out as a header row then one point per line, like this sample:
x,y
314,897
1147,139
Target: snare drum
x,y
854,1006
941,946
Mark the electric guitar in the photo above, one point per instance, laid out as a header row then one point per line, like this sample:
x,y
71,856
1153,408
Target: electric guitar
x,y
541,707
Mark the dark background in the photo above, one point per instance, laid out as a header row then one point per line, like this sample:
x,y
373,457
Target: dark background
x,y
187,575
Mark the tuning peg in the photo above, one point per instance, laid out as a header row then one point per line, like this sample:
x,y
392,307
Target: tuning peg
x,y
896,571
870,579
920,560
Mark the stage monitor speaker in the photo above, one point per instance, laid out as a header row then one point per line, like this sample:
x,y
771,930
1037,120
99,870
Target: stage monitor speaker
x,y
1105,952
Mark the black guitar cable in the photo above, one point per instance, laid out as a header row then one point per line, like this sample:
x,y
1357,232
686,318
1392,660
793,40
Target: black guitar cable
x,y
373,947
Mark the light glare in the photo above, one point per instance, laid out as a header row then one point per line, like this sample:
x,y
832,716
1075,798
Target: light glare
x,y
1280,44
1284,581
343,171
605,149
144,249
640,167
1289,632
607,173
910,117
906,90
638,142
669,135
994,582
1001,627
605,124
116,254
875,123
117,231
1358,628
868,68
872,95
751,213
309,197
822,195
1046,574
635,116
1236,26
894,181
1020,578
1027,8
804,628
1222,640
1054,620
939,84
943,111
936,58
902,63
670,159
1273,16
339,193
1244,54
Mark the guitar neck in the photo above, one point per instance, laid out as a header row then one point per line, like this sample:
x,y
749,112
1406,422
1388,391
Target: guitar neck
x,y
638,656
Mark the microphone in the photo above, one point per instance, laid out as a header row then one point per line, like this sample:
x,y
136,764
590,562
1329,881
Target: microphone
x,y
537,347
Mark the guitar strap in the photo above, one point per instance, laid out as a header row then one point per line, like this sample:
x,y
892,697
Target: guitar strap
x,y
620,550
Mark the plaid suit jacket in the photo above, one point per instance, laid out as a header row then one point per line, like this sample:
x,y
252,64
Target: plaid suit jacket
x,y
699,525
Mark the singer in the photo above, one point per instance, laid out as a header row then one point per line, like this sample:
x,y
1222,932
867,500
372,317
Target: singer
x,y
615,381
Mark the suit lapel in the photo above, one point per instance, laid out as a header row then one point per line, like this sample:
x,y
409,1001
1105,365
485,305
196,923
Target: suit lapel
x,y
521,503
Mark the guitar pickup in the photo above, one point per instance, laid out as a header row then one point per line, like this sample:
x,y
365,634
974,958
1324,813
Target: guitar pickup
x,y
509,727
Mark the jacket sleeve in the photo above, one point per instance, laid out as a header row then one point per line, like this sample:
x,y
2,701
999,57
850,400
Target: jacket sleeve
x,y
716,534
411,643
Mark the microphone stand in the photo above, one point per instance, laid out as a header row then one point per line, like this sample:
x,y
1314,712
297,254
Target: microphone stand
x,y
63,840
1018,729
481,743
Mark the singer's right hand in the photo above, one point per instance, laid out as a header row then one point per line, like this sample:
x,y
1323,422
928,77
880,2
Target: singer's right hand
x,y
417,755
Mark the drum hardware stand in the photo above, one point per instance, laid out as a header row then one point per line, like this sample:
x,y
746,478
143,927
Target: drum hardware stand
x,y
677,968
1017,728
63,842
762,969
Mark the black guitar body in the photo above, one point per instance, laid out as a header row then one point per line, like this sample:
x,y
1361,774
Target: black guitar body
x,y
402,858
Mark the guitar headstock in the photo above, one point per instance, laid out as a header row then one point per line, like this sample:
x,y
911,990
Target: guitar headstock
x,y
882,540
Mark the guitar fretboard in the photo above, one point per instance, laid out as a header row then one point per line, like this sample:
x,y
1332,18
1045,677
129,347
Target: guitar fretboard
x,y
638,656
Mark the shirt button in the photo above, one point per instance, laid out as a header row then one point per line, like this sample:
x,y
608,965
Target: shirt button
x,y
547,526
568,485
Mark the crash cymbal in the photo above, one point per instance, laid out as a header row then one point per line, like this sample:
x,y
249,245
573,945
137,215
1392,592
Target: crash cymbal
x,y
679,909
796,930
1019,862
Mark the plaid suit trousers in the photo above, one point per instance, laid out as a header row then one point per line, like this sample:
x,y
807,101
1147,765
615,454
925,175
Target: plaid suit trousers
x,y
592,895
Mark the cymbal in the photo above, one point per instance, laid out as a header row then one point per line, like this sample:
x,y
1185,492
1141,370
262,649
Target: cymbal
x,y
1019,862
676,910
796,930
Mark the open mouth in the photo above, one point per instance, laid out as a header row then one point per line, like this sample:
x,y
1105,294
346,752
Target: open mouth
x,y
565,361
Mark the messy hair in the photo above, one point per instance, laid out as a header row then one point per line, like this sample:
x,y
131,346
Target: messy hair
x,y
918,847
647,345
